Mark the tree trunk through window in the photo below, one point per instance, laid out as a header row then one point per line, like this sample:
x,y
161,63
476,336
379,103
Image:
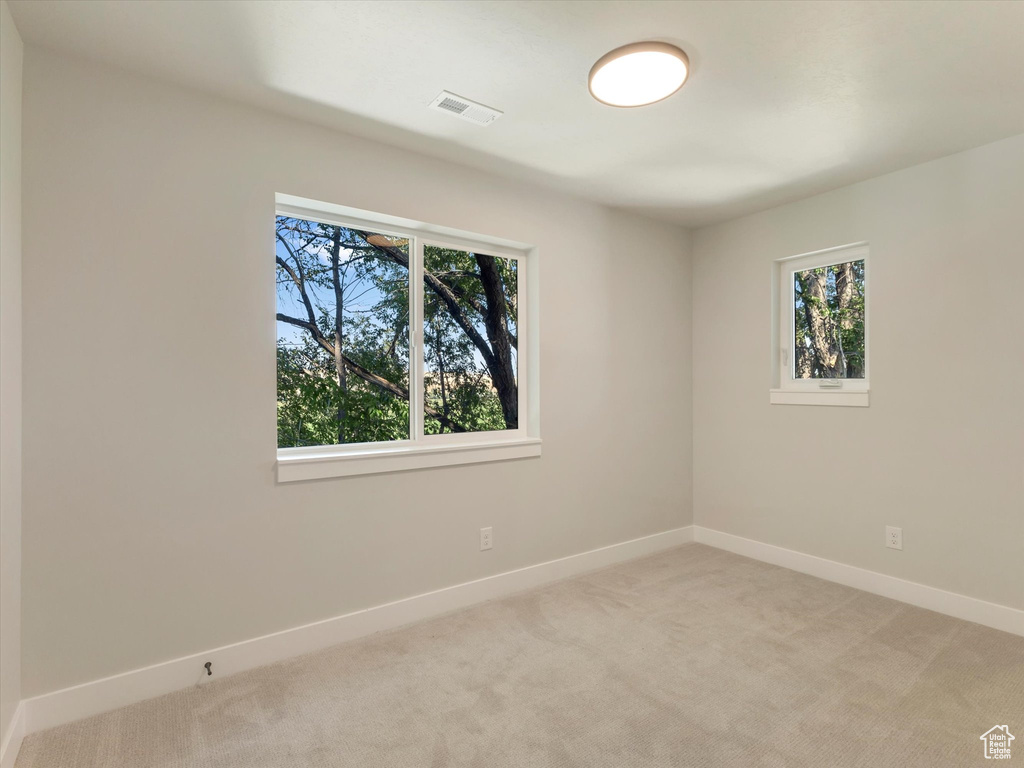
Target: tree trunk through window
x,y
829,322
343,351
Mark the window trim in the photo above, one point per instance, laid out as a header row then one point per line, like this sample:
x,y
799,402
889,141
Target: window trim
x,y
423,451
786,390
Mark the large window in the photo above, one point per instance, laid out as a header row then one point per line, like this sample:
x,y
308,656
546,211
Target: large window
x,y
822,350
395,341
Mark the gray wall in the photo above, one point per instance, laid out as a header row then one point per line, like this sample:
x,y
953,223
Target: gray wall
x,y
153,526
940,450
10,368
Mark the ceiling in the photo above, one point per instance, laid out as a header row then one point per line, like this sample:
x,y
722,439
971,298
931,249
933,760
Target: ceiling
x,y
785,99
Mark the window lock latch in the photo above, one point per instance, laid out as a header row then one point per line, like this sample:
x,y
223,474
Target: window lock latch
x,y
830,384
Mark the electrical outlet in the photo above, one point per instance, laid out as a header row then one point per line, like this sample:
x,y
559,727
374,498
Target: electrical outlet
x,y
893,537
486,539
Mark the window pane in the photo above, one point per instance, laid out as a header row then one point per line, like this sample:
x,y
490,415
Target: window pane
x,y
343,335
469,342
829,322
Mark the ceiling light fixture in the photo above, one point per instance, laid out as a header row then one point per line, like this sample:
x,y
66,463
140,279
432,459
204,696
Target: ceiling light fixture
x,y
638,74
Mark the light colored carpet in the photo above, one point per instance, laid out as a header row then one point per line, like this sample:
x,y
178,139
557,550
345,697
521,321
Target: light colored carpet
x,y
692,657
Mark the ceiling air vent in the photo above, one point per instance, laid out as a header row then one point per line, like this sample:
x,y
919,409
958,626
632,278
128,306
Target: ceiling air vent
x,y
466,109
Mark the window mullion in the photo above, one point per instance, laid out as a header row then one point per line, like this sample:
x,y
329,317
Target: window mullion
x,y
789,304
416,357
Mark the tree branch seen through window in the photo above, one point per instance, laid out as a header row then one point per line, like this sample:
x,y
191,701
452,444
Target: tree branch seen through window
x,y
828,318
343,351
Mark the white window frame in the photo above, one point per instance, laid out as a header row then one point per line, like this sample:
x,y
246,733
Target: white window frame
x,y
423,451
786,389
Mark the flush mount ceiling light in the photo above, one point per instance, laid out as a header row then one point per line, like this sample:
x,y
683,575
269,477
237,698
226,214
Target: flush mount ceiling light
x,y
639,74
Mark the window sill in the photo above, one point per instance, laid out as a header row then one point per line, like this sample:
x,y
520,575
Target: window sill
x,y
848,398
330,463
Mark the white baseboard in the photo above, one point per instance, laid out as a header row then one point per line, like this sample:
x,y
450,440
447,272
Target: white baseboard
x,y
950,603
12,739
92,698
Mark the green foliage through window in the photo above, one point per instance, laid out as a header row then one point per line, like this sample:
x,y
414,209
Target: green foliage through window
x,y
343,351
466,391
829,322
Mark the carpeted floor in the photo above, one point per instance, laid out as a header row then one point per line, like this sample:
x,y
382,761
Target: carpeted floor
x,y
692,657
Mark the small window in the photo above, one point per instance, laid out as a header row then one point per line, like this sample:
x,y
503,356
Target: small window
x,y
822,320
399,345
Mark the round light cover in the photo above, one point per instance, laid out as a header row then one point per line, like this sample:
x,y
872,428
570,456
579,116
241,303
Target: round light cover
x,y
639,74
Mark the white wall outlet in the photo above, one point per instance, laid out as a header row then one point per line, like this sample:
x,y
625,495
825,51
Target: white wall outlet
x,y
893,537
486,539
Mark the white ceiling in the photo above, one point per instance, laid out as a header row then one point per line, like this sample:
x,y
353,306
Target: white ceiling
x,y
785,99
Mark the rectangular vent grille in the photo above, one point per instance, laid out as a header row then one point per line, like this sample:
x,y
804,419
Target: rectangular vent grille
x,y
472,111
453,105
